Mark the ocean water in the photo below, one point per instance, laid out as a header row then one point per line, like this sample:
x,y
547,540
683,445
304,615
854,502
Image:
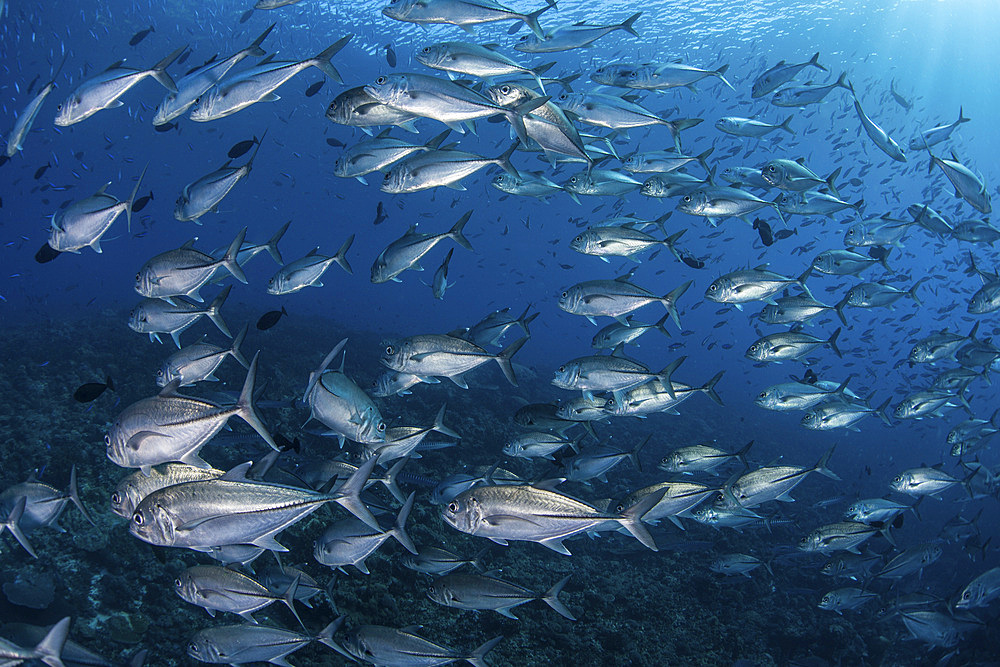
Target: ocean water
x,y
65,323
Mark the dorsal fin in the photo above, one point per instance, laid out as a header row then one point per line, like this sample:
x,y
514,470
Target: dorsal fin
x,y
171,389
188,244
115,65
239,473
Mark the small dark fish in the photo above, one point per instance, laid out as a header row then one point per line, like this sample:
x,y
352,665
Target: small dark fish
x,y
390,55
693,262
141,202
46,254
31,86
314,88
566,266
245,16
184,56
380,215
41,170
764,229
336,143
268,320
810,376
86,393
166,127
242,148
139,36
784,234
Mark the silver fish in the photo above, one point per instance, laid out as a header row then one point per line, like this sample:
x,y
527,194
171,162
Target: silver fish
x,y
307,271
197,362
155,316
407,251
83,223
481,592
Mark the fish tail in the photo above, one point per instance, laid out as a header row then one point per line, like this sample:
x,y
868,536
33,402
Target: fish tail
x,y
531,19
912,292
631,518
831,182
661,325
315,375
633,456
325,637
341,257
840,309
822,466
439,427
842,82
74,495
213,311
289,598
272,244
664,375
786,125
478,656
832,342
882,413
391,479
671,241
709,388
131,200
13,525
238,341
254,48
348,495
398,530
159,70
741,455
322,59
704,156
526,319
628,24
503,161
49,650
721,74
455,233
229,260
245,406
253,156
503,359
537,72
814,61
884,259
669,301
551,598
961,117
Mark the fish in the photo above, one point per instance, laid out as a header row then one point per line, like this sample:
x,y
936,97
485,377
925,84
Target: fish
x,y
884,142
241,148
808,94
91,391
610,373
936,135
142,202
780,74
783,346
446,356
617,298
235,510
735,564
656,76
464,13
481,592
307,271
576,36
105,90
968,186
749,127
439,283
380,215
382,645
390,55
407,251
184,271
206,193
246,643
48,650
270,318
43,505
140,35
83,223
437,561
197,362
356,108
258,84
378,154
200,80
845,598
170,427
701,458
26,119
131,490
350,541
535,514
481,61
315,87
716,203
222,589
155,316
981,591
336,401
743,286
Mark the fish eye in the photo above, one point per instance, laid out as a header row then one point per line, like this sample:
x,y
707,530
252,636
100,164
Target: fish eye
x,y
687,199
771,168
426,49
633,74
107,438
753,348
573,180
966,595
763,394
389,350
620,507
713,287
137,518
611,402
564,295
504,89
452,507
116,498
138,277
381,427
177,583
562,369
380,81
192,647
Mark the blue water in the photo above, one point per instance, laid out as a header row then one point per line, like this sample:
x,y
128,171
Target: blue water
x,y
939,53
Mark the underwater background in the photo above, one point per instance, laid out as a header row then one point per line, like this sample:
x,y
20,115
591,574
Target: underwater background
x,y
65,323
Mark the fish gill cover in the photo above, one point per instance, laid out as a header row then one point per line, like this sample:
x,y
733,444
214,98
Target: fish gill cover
x,y
559,303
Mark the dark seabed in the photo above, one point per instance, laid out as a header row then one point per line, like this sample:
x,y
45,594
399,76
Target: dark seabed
x,y
70,365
